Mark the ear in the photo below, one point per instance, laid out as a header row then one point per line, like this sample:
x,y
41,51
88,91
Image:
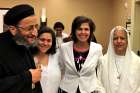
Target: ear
x,y
13,29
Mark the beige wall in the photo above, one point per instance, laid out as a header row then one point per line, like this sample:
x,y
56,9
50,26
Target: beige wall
x,y
135,25
105,13
11,3
121,11
98,10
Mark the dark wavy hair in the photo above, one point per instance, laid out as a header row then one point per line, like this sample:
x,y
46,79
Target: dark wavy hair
x,y
77,23
52,50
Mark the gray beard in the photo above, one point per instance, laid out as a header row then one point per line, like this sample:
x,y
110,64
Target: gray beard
x,y
20,40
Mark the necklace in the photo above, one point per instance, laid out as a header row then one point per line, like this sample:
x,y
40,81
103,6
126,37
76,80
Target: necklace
x,y
117,68
80,49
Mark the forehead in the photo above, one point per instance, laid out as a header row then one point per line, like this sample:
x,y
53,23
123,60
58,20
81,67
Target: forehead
x,y
31,20
120,33
45,35
84,25
59,29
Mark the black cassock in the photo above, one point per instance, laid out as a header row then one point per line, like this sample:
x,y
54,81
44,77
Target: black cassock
x,y
15,62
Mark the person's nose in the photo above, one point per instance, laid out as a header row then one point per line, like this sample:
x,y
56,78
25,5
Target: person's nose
x,y
34,31
119,40
83,31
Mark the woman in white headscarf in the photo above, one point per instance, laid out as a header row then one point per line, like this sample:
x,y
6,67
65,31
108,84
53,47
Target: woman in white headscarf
x,y
120,66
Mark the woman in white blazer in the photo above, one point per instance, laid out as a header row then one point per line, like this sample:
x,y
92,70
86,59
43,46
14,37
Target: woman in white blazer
x,y
45,54
79,59
120,67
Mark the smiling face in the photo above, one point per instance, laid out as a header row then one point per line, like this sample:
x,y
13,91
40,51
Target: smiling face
x,y
44,42
27,30
83,33
120,42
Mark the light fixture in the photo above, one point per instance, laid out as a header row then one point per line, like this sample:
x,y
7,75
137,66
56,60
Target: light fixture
x,y
43,17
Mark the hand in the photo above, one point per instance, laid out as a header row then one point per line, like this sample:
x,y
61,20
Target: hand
x,y
36,74
38,66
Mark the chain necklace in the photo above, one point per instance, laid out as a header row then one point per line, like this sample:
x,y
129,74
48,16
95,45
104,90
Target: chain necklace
x,y
117,68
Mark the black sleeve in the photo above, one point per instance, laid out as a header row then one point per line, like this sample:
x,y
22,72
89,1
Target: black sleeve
x,y
8,82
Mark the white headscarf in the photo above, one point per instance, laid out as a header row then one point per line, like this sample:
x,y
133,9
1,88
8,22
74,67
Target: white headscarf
x,y
110,55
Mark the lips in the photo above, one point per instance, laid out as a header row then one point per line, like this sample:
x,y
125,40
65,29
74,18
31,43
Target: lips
x,y
82,36
43,48
119,45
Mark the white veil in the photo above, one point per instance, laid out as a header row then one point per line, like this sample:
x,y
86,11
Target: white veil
x,y
111,63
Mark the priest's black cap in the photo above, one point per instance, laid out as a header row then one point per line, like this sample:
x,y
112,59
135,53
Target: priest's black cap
x,y
17,13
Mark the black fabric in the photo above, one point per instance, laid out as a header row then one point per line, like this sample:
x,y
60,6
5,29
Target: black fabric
x,y
79,58
78,91
15,14
62,91
15,62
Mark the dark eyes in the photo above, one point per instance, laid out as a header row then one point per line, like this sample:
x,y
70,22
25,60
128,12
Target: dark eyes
x,y
43,40
80,29
116,38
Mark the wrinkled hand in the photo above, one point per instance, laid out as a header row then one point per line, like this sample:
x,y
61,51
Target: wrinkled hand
x,y
36,74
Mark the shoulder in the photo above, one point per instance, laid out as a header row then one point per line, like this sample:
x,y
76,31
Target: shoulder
x,y
66,48
96,46
103,60
64,35
55,54
67,44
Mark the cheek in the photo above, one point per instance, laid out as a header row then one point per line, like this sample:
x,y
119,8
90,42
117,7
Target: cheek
x,y
39,43
23,33
114,42
50,44
76,33
88,34
126,44
39,48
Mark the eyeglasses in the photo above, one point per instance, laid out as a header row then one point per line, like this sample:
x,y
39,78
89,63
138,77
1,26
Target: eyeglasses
x,y
29,28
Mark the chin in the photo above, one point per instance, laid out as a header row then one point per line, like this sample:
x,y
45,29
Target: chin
x,y
84,41
43,51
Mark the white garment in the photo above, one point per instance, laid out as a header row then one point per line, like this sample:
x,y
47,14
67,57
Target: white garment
x,y
50,76
59,40
129,81
119,60
86,79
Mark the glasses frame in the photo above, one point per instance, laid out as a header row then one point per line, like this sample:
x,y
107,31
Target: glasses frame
x,y
29,28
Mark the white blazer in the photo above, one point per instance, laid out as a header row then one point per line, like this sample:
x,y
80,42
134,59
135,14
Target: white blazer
x,y
86,79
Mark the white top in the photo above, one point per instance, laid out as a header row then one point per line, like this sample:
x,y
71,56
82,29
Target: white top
x,y
119,60
50,76
59,40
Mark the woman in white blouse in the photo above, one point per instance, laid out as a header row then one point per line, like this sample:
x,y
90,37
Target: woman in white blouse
x,y
45,54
